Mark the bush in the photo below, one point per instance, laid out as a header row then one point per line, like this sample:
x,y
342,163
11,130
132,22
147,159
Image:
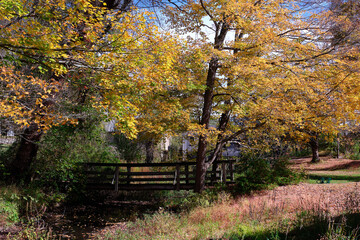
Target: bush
x,y
27,201
283,175
256,173
303,151
355,151
63,150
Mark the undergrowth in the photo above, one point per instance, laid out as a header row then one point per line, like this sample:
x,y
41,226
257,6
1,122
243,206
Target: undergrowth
x,y
271,216
22,210
256,173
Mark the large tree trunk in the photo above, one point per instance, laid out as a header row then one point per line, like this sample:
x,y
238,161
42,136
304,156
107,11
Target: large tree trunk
x,y
26,153
205,119
223,122
201,165
314,144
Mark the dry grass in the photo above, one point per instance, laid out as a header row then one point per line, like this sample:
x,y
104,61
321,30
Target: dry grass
x,y
265,209
326,164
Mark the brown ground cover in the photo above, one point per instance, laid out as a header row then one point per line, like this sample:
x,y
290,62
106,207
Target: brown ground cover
x,y
276,205
268,206
331,198
281,205
327,164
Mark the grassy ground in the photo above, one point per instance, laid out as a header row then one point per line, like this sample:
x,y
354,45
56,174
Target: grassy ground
x,y
317,180
304,211
335,170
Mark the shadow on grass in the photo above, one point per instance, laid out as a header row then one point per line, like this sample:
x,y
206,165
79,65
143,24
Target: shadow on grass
x,y
350,178
308,227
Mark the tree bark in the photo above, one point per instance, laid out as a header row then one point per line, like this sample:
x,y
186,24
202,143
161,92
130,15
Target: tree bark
x,y
314,144
338,146
165,155
201,166
205,119
149,146
26,153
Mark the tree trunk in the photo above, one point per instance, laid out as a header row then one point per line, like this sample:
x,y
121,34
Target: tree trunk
x,y
201,165
26,153
205,119
164,155
338,146
314,144
149,146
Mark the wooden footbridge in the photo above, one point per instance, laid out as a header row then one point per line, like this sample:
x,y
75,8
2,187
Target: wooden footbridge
x,y
154,176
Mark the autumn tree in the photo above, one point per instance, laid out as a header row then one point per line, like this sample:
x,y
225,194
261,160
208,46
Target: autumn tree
x,y
63,54
333,103
269,65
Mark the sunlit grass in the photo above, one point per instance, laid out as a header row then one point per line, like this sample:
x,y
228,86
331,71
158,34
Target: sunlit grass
x,y
318,176
278,214
317,181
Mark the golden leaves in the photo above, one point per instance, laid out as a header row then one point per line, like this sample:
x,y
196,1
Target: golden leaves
x,y
279,68
24,98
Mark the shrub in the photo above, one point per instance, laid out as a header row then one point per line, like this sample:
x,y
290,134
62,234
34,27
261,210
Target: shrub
x,y
283,175
256,173
64,149
303,152
355,151
7,155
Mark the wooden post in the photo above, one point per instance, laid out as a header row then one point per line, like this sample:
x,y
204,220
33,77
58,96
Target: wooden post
x,y
117,179
223,167
128,174
231,169
187,173
177,177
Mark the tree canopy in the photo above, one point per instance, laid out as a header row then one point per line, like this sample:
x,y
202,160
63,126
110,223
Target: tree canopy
x,y
280,66
271,65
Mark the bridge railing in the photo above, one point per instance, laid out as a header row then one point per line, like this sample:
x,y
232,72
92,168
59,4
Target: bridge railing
x,y
154,176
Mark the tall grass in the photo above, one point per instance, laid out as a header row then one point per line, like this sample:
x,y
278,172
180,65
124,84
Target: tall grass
x,y
312,213
21,212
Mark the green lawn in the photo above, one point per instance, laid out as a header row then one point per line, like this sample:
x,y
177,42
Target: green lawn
x,y
334,178
316,181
